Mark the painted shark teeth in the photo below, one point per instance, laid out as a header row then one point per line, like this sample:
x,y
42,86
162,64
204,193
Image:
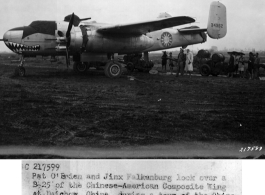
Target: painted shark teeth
x,y
19,48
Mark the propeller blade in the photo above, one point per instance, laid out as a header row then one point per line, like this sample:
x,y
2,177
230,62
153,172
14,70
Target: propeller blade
x,y
68,32
83,19
77,20
68,38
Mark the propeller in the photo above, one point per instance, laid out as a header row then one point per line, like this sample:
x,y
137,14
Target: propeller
x,y
74,20
77,20
68,38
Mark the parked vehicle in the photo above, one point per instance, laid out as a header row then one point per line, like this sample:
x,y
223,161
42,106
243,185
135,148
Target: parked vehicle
x,y
208,64
135,62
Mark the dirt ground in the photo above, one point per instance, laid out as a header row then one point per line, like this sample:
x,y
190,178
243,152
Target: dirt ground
x,y
55,108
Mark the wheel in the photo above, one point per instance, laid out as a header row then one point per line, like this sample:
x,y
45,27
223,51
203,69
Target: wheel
x,y
20,71
113,70
130,66
80,67
205,70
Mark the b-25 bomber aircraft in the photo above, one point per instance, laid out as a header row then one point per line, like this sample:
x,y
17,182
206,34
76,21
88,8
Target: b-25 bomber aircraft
x,y
91,41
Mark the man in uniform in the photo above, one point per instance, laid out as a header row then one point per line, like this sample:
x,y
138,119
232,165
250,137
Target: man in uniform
x,y
251,61
180,62
171,65
164,61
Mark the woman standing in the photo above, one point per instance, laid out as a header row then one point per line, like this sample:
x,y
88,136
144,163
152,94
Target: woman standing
x,y
189,61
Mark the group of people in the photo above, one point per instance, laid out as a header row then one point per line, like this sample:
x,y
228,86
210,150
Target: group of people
x,y
183,62
246,68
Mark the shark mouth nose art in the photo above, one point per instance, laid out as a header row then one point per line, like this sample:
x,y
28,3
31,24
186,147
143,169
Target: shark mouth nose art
x,y
19,48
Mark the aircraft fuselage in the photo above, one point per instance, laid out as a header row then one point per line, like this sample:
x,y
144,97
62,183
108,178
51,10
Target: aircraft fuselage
x,y
45,38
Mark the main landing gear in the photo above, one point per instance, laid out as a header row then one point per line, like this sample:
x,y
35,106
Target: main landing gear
x,y
20,70
113,69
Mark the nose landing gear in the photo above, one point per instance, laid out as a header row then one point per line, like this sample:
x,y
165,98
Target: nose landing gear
x,y
20,70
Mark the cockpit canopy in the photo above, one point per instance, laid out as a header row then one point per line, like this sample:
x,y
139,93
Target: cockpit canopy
x,y
44,27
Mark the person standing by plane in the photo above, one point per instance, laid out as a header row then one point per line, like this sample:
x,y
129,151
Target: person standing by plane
x,y
180,63
256,66
231,66
164,61
241,65
171,65
189,61
251,61
236,64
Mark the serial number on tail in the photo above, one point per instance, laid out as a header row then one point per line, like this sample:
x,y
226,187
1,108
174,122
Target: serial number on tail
x,y
217,25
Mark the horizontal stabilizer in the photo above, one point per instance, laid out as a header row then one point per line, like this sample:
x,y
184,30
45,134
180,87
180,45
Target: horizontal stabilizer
x,y
148,26
192,30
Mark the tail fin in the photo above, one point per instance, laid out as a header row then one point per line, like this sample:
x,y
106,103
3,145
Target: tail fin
x,y
217,26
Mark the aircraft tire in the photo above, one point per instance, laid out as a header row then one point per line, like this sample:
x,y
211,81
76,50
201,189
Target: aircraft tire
x,y
113,69
80,67
20,71
205,70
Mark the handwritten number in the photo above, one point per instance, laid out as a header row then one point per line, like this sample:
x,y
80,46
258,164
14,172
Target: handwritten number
x,y
256,148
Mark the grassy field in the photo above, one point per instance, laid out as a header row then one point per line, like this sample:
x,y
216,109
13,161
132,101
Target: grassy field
x,y
149,116
52,107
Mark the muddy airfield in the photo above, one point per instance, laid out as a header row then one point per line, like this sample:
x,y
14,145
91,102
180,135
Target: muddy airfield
x,y
55,113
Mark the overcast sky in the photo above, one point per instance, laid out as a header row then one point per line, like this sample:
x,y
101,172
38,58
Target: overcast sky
x,y
246,26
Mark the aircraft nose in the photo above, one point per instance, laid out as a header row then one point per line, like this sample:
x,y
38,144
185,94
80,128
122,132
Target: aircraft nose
x,y
6,36
13,38
14,35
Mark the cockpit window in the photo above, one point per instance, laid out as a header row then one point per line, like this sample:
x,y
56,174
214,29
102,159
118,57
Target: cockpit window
x,y
45,27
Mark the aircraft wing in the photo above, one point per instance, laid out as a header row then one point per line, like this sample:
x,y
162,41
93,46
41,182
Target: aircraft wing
x,y
148,26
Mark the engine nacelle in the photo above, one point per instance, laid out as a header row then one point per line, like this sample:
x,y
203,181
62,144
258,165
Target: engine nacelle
x,y
76,40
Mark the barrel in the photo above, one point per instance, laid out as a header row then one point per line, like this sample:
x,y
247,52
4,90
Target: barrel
x,y
203,53
218,57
